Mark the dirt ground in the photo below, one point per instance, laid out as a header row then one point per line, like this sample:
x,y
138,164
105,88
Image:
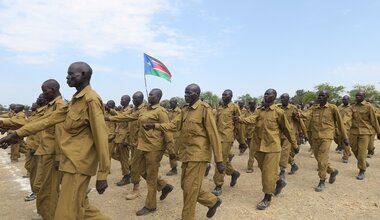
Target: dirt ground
x,y
347,198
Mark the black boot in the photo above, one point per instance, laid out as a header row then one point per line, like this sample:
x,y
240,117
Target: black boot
x,y
321,186
294,169
361,175
124,181
265,202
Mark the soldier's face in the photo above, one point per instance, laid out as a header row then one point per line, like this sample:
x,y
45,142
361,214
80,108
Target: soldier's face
x,y
75,76
124,101
190,95
226,97
359,97
48,92
153,98
322,97
173,104
345,100
269,96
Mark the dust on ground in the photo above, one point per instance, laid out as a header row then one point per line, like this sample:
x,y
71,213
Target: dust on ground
x,y
347,198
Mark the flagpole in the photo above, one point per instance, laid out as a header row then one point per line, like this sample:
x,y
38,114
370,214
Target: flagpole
x,y
146,88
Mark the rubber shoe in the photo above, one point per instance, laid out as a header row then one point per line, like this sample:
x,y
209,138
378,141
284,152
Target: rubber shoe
x,y
344,161
133,195
145,211
320,187
249,170
211,211
30,197
217,191
280,184
124,181
263,204
234,176
294,169
361,175
333,176
165,191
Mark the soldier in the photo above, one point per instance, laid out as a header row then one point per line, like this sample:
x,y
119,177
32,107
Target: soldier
x,y
269,122
291,112
151,146
123,144
324,120
226,129
345,113
199,138
111,126
173,113
134,127
364,124
83,142
252,105
241,128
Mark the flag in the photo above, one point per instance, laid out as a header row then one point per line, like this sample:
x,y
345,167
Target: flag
x,y
154,67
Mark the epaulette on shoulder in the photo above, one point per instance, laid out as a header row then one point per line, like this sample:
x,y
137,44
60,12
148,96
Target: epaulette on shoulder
x,y
205,104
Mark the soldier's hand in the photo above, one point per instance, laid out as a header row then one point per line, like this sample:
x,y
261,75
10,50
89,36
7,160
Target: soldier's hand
x,y
236,119
3,130
220,166
106,118
9,139
346,141
172,156
378,136
101,186
148,126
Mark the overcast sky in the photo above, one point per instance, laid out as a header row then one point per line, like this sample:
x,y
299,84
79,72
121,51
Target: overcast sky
x,y
247,46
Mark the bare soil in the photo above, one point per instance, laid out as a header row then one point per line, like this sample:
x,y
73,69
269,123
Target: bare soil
x,y
347,198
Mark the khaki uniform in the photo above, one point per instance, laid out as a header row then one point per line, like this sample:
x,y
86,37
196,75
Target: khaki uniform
x,y
286,147
249,135
198,138
84,144
122,143
240,129
172,115
16,120
323,121
269,124
134,127
346,114
31,160
111,131
364,125
226,131
47,153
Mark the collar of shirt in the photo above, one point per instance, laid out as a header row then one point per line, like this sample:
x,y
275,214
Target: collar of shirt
x,y
228,105
154,106
364,102
325,106
196,104
82,92
140,106
54,100
271,107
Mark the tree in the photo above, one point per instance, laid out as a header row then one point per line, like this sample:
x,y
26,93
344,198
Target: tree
x,y
211,98
335,91
303,97
370,92
245,98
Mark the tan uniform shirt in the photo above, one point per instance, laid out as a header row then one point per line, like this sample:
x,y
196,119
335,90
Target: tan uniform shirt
x,y
111,127
346,114
198,136
15,121
172,115
123,130
269,124
84,139
249,127
48,144
364,119
323,121
225,124
134,125
293,122
33,141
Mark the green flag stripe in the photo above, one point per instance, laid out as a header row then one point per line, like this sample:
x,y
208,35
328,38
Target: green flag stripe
x,y
159,73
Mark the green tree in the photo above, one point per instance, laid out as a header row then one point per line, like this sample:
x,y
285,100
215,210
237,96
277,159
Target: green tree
x,y
245,98
370,92
335,91
211,98
303,97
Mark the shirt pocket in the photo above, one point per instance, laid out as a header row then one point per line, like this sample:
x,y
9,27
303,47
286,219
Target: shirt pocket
x,y
74,122
195,126
272,124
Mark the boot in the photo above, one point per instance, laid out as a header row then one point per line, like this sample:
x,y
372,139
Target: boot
x,y
321,186
265,202
124,181
145,211
361,175
165,191
212,210
217,191
294,169
282,174
280,184
172,172
135,192
333,176
234,176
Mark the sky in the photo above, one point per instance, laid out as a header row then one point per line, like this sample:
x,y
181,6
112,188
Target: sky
x,y
247,46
